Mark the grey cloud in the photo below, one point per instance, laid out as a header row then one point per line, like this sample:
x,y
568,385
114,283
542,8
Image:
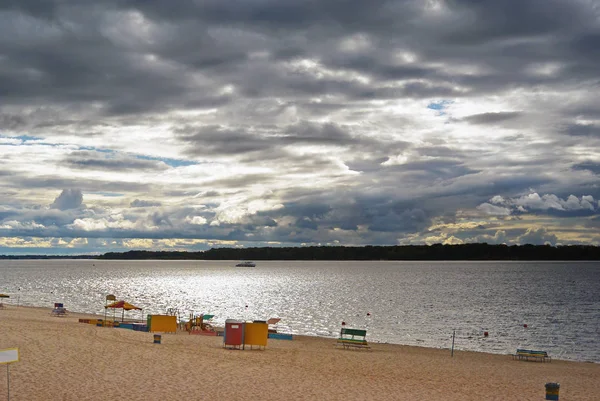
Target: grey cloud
x,y
144,203
492,118
11,121
489,19
306,223
589,130
218,139
261,141
89,66
537,236
589,166
68,199
91,185
441,168
406,221
329,133
110,162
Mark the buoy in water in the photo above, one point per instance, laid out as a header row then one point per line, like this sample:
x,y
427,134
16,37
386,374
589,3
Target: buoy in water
x,y
343,323
485,333
525,325
368,313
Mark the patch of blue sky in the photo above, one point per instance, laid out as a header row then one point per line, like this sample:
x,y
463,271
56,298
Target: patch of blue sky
x,y
169,161
26,138
95,149
22,138
439,106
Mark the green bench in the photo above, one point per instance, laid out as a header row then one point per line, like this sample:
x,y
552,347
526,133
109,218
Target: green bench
x,y
527,354
352,338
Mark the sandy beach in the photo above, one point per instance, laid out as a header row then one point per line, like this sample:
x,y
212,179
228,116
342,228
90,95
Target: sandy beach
x,y
62,359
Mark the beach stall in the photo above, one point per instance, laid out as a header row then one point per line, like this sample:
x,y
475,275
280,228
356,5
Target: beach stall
x,y
125,306
256,333
162,323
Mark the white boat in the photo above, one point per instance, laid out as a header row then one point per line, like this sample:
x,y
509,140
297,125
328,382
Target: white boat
x,y
246,264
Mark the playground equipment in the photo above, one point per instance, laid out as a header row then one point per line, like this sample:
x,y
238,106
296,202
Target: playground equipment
x,y
198,324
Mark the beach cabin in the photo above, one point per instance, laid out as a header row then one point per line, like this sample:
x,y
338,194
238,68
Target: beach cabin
x,y
234,334
162,323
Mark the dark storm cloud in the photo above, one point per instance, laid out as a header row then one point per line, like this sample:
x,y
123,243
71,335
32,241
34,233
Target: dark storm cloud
x,y
11,121
325,134
85,63
589,166
584,130
221,140
488,18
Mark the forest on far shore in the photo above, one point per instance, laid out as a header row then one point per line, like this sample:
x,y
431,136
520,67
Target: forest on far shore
x,y
369,252
408,252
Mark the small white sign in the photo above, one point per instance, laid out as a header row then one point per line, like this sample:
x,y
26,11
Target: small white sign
x,y
9,355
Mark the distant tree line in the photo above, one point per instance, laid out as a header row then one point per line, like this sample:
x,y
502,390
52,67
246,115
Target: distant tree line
x,y
48,257
408,252
405,252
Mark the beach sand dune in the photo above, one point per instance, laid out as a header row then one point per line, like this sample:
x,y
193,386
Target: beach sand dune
x,y
61,359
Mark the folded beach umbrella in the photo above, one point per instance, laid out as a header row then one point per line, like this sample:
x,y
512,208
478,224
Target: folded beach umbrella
x,y
4,296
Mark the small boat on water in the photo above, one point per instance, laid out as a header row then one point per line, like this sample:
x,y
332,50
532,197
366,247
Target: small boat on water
x,y
246,264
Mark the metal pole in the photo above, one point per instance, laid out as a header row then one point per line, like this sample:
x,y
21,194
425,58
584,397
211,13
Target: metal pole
x,y
453,334
7,383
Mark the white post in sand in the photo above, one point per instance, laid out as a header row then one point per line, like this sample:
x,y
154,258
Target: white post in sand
x,y
8,356
453,334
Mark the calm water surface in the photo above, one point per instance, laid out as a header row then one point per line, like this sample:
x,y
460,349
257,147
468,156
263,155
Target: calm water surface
x,y
413,303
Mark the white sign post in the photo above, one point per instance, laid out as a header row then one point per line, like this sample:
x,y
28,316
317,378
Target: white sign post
x,y
8,356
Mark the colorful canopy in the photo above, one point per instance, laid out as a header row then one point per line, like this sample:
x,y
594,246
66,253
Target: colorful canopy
x,y
273,320
122,304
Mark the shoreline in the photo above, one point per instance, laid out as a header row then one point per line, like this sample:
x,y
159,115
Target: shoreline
x,y
62,359
448,349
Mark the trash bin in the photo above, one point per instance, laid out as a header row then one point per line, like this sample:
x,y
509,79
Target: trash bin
x,y
157,339
552,391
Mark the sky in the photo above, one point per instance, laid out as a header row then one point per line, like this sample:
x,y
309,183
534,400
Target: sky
x,y
187,125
